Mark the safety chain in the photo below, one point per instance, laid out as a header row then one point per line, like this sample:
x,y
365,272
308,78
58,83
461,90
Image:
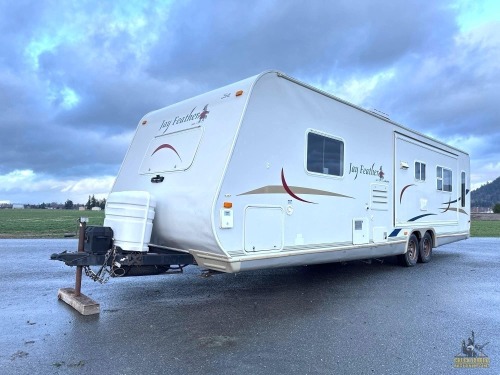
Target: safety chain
x,y
102,276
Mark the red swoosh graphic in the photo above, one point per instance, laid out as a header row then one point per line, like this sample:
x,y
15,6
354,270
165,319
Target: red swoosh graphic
x,y
447,208
166,145
402,191
288,190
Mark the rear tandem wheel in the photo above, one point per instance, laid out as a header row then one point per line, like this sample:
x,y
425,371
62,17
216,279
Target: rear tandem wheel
x,y
409,259
425,248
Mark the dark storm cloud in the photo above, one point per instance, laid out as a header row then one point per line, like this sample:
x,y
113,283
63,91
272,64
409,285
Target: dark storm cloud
x,y
451,94
199,48
38,132
61,151
76,77
226,41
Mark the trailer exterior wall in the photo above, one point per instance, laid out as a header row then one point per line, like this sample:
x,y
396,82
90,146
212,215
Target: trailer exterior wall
x,y
321,226
240,191
273,138
192,166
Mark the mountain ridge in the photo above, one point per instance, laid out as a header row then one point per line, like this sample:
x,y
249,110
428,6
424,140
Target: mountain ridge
x,y
487,195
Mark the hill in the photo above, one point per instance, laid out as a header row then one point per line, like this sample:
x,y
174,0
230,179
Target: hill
x,y
487,195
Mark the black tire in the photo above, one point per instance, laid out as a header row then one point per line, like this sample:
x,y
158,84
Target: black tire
x,y
425,249
410,258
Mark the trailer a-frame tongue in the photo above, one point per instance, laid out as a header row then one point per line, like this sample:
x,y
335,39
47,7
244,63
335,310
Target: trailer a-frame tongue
x,y
95,248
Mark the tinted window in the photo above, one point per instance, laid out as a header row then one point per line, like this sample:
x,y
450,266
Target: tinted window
x,y
444,179
419,171
325,155
464,192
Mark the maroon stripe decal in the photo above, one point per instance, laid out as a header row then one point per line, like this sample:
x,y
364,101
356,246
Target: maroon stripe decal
x,y
447,208
402,191
289,191
166,145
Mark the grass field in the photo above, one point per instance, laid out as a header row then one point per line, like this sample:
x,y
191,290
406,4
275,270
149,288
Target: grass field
x,y
486,228
30,223
57,223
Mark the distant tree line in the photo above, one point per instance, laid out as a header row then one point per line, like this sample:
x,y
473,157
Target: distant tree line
x,y
93,202
68,205
53,206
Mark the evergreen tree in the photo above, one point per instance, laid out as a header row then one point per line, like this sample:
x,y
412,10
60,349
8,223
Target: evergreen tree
x,y
88,205
68,205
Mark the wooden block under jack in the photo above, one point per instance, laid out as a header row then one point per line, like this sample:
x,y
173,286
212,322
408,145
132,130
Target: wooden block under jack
x,y
83,304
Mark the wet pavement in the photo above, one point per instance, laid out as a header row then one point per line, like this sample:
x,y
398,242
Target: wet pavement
x,y
357,318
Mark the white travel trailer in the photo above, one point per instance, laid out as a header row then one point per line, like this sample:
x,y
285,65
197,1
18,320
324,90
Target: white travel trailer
x,y
271,172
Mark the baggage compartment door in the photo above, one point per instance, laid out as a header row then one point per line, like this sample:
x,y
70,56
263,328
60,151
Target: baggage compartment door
x,y
263,228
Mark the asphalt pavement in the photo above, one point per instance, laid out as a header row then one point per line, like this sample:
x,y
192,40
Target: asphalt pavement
x,y
354,318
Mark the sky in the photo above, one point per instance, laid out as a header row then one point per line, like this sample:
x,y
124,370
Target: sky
x,y
77,76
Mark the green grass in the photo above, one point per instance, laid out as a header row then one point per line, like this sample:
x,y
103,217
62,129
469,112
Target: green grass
x,y
56,223
31,223
485,228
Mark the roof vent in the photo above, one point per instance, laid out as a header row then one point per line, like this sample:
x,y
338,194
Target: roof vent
x,y
380,113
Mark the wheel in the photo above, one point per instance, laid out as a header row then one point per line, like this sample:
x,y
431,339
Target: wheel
x,y
409,259
425,249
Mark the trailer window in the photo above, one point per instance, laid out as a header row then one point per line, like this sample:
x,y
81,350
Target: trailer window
x,y
171,152
419,171
463,192
325,155
444,179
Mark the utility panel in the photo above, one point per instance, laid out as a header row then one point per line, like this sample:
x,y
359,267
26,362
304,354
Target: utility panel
x,y
360,233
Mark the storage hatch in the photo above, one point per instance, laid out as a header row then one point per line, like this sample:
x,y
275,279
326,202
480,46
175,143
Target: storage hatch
x,y
263,228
